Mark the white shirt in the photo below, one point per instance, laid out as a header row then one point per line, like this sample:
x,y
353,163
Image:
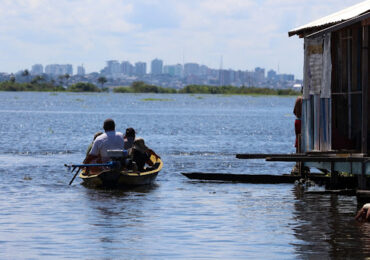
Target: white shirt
x,y
110,140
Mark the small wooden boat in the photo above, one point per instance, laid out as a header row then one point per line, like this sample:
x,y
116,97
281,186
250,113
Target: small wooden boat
x,y
122,177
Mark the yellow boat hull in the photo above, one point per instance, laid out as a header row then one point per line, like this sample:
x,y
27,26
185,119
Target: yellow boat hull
x,y
123,177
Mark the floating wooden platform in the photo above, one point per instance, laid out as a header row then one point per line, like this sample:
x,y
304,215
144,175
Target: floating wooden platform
x,y
255,178
346,192
320,179
246,178
363,196
307,157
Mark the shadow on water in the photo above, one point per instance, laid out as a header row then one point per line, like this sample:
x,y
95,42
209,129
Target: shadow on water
x,y
326,227
115,214
117,192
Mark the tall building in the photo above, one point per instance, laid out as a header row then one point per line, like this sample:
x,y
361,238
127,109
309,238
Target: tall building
x,y
127,68
225,77
140,68
81,70
179,70
271,74
59,69
203,70
259,74
285,77
157,67
173,70
37,69
191,69
113,67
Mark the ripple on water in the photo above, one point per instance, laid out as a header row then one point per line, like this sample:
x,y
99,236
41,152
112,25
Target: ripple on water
x,y
176,217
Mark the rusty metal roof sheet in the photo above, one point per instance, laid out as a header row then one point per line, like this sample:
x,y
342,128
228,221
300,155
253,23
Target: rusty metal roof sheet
x,y
334,18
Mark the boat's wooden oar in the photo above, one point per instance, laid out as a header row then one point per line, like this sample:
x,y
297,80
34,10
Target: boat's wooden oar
x,y
74,176
80,166
74,166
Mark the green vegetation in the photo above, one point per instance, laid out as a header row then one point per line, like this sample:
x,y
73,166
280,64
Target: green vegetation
x,y
142,87
39,84
14,86
102,81
36,85
83,87
157,99
231,90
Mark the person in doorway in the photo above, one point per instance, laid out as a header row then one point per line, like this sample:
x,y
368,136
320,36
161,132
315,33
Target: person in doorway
x,y
297,111
110,140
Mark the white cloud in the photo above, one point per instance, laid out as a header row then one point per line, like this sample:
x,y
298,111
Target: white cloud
x,y
247,33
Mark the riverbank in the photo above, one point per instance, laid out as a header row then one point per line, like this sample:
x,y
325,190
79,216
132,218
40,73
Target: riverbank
x,y
142,87
48,87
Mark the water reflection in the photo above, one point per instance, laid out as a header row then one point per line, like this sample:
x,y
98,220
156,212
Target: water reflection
x,y
116,217
43,215
364,231
102,199
326,227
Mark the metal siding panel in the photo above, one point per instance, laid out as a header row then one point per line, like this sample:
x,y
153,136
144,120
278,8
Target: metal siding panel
x,y
309,125
343,15
316,124
325,125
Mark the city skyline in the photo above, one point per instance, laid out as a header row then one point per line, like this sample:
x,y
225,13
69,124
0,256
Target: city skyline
x,y
204,32
68,68
173,76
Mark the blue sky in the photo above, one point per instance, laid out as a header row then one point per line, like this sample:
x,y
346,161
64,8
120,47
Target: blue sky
x,y
246,33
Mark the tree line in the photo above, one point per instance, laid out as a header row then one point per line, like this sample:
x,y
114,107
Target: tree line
x,y
142,87
38,84
48,87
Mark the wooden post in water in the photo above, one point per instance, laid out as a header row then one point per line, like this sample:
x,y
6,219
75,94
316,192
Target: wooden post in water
x,y
333,176
365,83
300,164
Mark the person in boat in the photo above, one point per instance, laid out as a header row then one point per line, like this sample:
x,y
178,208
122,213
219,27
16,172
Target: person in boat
x,y
140,154
110,140
129,138
91,144
364,213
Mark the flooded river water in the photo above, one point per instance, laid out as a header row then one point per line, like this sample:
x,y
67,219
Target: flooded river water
x,y
42,217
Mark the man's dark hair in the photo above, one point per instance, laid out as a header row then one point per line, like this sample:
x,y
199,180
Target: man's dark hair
x,y
109,125
130,132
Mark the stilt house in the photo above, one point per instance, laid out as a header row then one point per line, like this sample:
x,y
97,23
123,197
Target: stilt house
x,y
335,110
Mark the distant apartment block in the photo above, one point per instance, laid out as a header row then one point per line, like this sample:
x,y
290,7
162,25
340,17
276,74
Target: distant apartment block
x,y
59,69
259,74
173,70
177,76
113,67
191,69
140,68
81,71
127,68
271,75
285,77
226,77
37,69
157,67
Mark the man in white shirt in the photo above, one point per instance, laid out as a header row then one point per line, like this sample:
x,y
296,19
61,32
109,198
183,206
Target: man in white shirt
x,y
110,140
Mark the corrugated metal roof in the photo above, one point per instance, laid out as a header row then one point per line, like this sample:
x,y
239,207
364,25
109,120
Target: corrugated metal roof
x,y
337,17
